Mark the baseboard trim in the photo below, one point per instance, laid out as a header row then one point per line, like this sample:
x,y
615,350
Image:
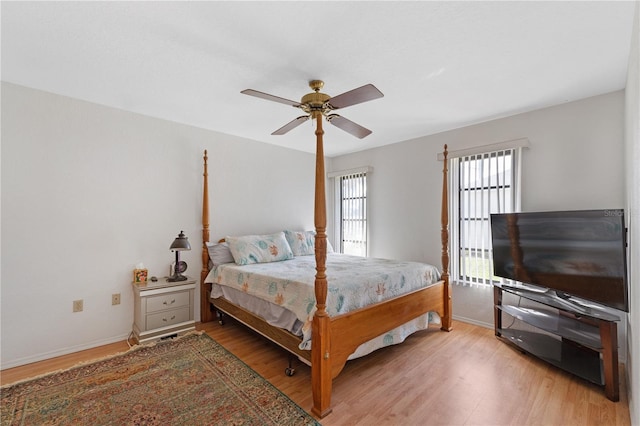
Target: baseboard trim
x,y
474,322
65,351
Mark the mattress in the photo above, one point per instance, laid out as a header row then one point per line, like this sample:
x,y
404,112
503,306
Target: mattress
x,y
353,282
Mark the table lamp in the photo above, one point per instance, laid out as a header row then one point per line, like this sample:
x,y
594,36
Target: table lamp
x,y
179,244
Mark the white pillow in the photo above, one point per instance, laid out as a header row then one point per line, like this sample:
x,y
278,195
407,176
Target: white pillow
x,y
219,253
250,249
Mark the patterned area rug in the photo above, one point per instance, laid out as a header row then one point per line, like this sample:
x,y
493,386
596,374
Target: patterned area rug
x,y
186,381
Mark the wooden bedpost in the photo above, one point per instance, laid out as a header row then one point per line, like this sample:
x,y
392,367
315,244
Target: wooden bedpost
x,y
321,378
205,311
444,218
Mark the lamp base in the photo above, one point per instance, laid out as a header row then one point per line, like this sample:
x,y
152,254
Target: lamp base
x,y
176,277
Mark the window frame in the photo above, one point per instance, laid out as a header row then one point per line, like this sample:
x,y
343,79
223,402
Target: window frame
x,y
457,268
363,202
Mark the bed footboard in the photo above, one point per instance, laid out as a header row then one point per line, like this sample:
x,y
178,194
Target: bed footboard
x,y
350,330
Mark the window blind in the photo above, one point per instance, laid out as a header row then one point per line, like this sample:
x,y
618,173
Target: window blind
x,y
353,213
486,183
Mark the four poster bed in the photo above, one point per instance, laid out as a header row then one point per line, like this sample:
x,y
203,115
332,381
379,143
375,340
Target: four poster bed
x,y
334,336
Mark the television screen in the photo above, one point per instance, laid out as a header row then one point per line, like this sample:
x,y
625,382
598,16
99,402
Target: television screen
x,y
579,253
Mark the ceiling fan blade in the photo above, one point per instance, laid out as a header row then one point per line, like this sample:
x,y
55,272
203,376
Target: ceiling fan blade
x,y
365,93
269,97
348,126
291,125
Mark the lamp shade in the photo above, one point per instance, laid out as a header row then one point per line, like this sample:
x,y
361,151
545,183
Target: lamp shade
x,y
180,243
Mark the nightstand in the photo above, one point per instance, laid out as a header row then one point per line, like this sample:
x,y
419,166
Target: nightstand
x,y
162,309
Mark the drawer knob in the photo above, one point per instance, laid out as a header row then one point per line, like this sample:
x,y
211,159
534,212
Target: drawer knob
x,y
169,303
172,318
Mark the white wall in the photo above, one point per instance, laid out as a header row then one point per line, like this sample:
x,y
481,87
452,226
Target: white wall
x,y
88,191
632,154
575,162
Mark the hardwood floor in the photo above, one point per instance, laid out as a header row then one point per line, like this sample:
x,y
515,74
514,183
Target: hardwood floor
x,y
465,377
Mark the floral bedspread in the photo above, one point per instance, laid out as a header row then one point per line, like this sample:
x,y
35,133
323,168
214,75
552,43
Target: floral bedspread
x,y
352,282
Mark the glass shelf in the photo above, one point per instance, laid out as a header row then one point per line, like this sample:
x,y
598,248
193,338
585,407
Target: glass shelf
x,y
549,298
585,364
544,319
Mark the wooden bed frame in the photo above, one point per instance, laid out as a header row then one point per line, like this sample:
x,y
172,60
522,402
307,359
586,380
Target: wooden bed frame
x,y
335,338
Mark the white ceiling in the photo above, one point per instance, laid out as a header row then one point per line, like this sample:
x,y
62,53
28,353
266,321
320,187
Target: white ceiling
x,y
440,65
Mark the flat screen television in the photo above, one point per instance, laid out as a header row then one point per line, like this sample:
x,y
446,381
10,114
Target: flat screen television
x,y
575,253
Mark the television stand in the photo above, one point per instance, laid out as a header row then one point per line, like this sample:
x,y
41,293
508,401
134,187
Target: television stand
x,y
580,339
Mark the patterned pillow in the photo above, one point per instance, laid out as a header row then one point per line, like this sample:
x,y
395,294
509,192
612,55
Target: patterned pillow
x,y
259,248
303,243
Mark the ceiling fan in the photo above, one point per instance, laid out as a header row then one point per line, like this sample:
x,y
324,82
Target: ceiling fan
x,y
317,104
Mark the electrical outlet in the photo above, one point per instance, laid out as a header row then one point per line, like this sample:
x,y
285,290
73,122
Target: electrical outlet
x,y
115,299
77,305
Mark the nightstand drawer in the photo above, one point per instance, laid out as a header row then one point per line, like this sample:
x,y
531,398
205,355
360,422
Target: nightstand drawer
x,y
163,319
167,301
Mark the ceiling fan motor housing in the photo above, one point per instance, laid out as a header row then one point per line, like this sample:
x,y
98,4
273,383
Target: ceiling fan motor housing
x,y
314,102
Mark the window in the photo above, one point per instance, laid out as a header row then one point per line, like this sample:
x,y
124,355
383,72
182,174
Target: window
x,y
482,183
351,211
